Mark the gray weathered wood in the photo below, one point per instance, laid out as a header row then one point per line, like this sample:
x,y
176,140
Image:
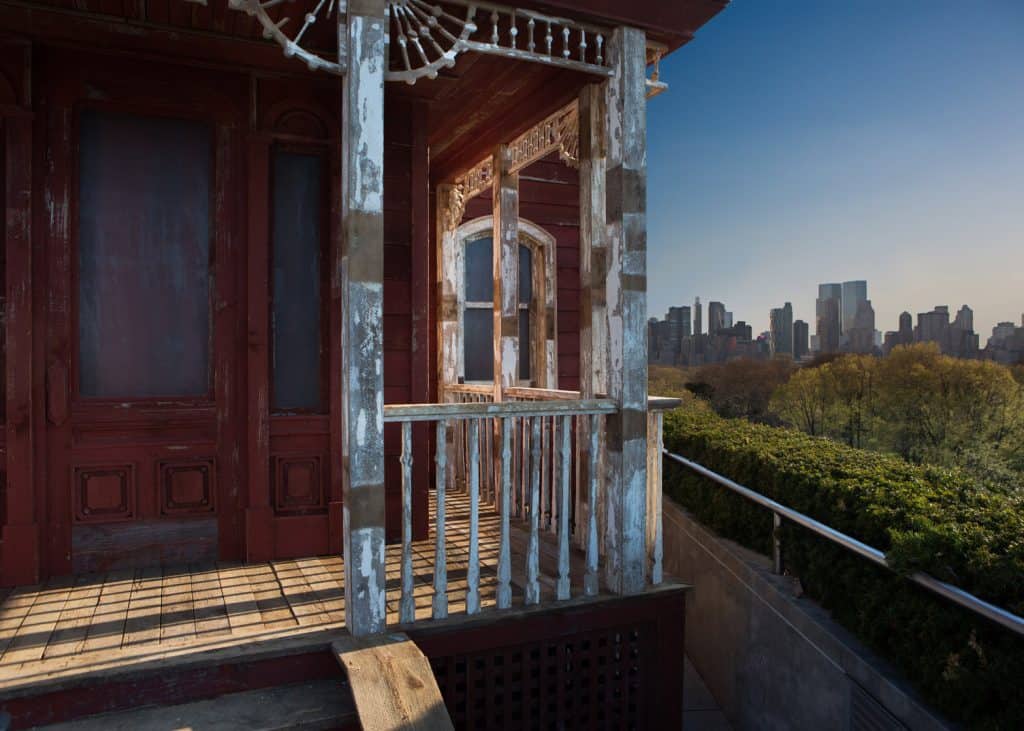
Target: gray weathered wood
x,y
655,548
407,606
626,314
392,683
593,254
504,597
505,202
439,605
590,578
473,570
563,511
362,331
433,412
533,550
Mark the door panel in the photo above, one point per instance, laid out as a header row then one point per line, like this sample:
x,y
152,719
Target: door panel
x,y
142,325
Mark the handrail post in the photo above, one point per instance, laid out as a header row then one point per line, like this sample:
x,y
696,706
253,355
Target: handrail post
x,y
776,544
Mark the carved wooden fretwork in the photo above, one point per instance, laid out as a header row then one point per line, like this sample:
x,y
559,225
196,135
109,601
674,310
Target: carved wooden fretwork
x,y
426,37
653,82
557,133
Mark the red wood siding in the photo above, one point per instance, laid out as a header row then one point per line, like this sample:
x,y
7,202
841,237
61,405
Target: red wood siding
x,y
549,196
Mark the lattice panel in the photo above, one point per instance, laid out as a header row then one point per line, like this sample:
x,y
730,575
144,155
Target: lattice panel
x,y
591,680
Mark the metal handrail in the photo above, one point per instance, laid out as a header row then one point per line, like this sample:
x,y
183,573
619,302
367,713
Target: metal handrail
x,y
952,593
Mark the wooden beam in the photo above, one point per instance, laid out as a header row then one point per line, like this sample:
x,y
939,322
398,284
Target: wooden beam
x,y
506,271
362,329
626,314
392,683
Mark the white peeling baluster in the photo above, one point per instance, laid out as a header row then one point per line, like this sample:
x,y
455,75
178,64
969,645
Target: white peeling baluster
x,y
473,573
504,549
494,28
530,45
583,45
549,39
533,547
407,606
565,42
599,59
513,31
590,582
440,604
563,512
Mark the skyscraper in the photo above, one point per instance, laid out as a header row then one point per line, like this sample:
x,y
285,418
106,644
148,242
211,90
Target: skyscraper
x,y
827,313
854,293
728,320
781,321
698,323
861,336
716,317
801,334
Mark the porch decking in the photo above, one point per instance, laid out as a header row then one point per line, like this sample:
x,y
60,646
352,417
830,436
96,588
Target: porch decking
x,y
74,626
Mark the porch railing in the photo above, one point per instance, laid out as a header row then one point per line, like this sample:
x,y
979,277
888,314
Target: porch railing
x,y
503,448
536,458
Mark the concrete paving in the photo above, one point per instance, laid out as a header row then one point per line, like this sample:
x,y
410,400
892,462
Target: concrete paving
x,y
700,710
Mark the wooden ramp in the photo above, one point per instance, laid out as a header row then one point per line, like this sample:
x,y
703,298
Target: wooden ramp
x,y
392,683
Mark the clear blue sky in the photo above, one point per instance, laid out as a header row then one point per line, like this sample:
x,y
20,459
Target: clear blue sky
x,y
824,140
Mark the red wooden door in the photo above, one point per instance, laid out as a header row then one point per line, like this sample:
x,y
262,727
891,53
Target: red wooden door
x,y
143,334
294,318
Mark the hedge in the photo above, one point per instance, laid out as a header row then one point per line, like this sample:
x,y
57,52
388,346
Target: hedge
x,y
935,520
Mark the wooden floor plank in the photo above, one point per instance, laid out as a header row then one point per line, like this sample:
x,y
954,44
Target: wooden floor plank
x,y
211,615
71,629
16,607
274,607
142,624
30,640
303,602
177,610
106,629
240,601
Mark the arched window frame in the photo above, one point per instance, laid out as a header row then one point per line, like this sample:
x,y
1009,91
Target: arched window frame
x,y
543,322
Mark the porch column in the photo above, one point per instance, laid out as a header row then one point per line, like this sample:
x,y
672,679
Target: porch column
x,y
361,338
593,255
626,313
506,272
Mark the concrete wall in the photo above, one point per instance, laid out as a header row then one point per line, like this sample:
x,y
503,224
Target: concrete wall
x,y
772,659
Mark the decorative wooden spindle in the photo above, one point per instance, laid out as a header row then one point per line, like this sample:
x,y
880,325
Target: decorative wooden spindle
x,y
530,45
440,603
533,546
562,591
504,548
473,571
565,42
407,606
583,45
590,578
494,28
549,39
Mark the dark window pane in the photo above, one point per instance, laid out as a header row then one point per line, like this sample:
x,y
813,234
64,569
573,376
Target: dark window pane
x,y
525,275
479,270
297,212
144,256
478,328
525,346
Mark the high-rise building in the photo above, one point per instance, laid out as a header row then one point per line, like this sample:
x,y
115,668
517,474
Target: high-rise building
x,y
861,335
716,317
698,323
828,324
854,293
801,334
933,327
728,320
964,318
781,330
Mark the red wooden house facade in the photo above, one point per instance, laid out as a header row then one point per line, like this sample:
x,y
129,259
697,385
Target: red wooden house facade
x,y
244,317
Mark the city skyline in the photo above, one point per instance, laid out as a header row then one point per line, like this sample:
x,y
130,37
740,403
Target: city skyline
x,y
826,142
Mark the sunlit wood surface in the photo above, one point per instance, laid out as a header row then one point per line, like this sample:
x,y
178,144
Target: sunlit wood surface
x,y
74,625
